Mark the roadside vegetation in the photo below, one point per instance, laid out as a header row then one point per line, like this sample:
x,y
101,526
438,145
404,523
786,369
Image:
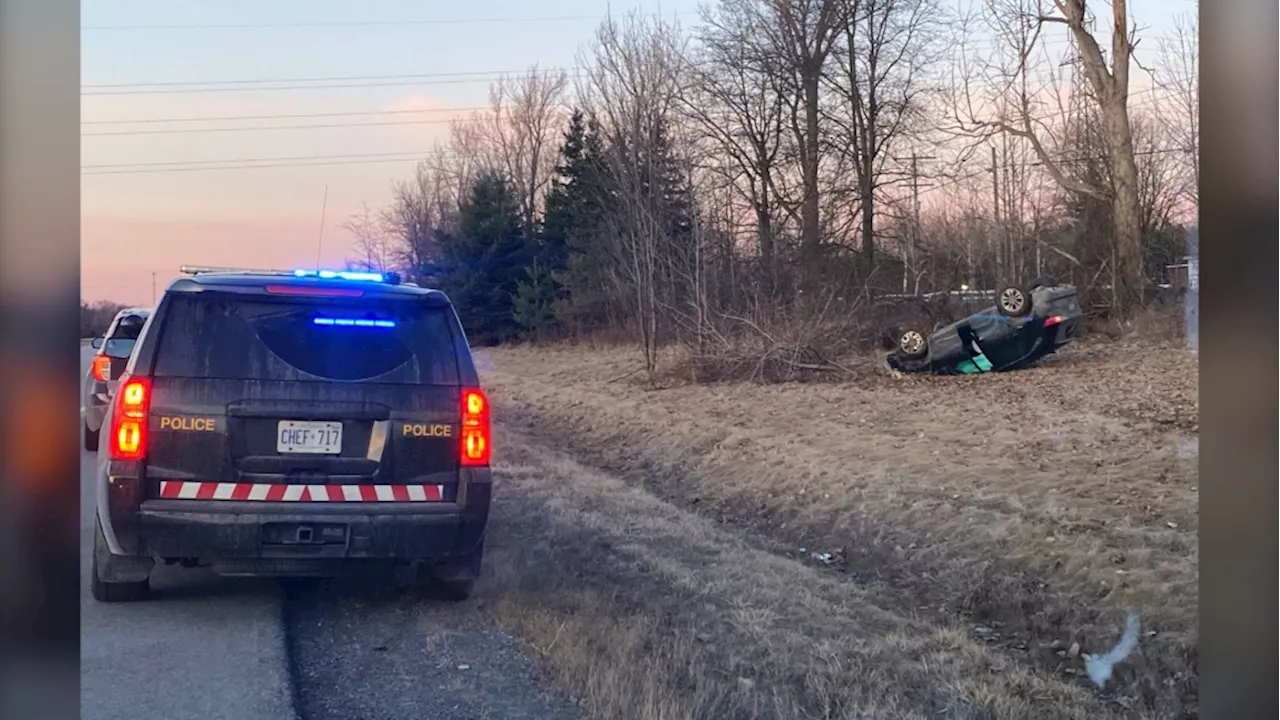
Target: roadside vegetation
x,y
715,501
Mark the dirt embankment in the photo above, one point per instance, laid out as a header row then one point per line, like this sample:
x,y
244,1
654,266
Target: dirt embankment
x,y
1019,514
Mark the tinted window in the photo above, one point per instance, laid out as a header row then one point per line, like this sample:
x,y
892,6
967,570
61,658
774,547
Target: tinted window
x,y
227,337
119,347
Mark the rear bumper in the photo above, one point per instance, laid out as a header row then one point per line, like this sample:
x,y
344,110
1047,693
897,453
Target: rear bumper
x,y
142,527
175,529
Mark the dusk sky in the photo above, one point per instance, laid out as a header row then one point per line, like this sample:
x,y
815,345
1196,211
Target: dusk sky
x,y
136,221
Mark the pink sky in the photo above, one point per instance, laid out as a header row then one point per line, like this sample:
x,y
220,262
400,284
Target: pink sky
x,y
134,225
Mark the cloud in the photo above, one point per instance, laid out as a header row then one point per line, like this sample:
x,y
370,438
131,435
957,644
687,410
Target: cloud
x,y
426,119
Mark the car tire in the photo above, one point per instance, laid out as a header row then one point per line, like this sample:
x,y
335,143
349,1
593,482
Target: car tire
x,y
456,581
113,592
913,344
1043,281
91,439
1013,301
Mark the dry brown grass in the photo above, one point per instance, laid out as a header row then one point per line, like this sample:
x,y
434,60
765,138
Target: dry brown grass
x,y
1039,503
645,611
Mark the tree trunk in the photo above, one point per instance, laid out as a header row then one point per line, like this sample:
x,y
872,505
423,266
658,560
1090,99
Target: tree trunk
x,y
810,217
1126,212
868,219
764,234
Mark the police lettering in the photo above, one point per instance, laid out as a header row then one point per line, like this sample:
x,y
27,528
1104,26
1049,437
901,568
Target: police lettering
x,y
423,430
188,424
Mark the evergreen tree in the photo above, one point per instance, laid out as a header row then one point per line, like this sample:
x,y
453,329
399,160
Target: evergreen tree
x,y
487,260
579,259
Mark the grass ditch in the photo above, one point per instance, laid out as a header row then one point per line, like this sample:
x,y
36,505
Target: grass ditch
x,y
1032,523
646,611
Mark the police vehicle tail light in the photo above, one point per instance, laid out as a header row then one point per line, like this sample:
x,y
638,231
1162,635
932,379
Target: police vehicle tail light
x,y
475,445
309,291
101,368
129,421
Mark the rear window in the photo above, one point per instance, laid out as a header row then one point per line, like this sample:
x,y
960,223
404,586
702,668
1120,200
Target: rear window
x,y
402,342
118,347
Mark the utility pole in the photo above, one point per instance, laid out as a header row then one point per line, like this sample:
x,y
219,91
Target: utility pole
x,y
910,261
995,198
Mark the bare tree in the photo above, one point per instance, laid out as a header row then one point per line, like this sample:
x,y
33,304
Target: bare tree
x,y
885,49
634,85
803,34
1177,73
472,153
1013,105
423,211
734,97
370,242
522,127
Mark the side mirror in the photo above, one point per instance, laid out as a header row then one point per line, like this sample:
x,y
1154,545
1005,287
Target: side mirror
x,y
97,343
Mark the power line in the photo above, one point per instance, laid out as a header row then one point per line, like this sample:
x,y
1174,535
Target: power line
x,y
184,131
1036,163
284,116
314,126
194,91
258,167
989,44
249,160
355,23
358,159
329,78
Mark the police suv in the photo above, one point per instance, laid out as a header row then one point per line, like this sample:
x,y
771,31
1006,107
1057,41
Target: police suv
x,y
287,423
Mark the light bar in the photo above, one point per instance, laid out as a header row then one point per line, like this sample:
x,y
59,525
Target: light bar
x,y
352,322
300,273
340,274
215,269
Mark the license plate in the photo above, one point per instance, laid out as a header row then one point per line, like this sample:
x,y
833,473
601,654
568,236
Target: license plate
x,y
313,438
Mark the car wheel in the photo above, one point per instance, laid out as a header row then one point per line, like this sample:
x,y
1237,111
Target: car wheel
x,y
913,344
1013,301
91,439
111,592
1043,281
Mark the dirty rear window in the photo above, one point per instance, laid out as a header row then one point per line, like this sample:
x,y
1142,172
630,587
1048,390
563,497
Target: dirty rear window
x,y
401,342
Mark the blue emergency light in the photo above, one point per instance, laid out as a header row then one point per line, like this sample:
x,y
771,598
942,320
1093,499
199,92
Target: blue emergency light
x,y
352,322
341,274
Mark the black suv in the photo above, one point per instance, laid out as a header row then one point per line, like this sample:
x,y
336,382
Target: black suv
x,y
295,423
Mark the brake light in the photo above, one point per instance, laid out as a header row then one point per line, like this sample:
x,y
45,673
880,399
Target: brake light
x,y
129,420
101,368
1053,320
313,291
475,448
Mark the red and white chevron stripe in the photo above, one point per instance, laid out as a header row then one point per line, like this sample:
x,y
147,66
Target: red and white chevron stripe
x,y
258,492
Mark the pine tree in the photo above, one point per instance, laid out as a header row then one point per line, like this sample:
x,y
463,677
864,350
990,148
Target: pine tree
x,y
580,259
487,260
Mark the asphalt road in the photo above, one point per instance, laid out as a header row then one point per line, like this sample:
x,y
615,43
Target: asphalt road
x,y
206,648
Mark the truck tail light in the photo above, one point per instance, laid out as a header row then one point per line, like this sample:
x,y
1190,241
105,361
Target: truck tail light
x,y
129,419
101,368
475,446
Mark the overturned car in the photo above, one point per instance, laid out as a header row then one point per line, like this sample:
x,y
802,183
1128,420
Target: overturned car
x,y
1024,325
